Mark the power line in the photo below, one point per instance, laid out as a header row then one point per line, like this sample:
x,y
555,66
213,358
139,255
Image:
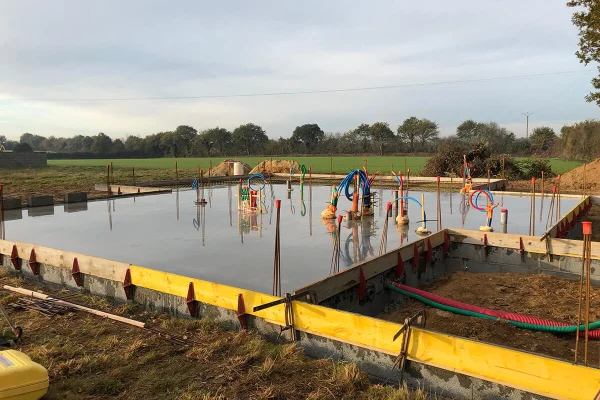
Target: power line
x,y
303,92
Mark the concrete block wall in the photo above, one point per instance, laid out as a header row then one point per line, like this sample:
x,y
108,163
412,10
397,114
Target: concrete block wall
x,y
14,160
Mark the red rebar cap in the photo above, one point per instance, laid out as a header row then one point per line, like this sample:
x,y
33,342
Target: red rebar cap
x,y
1,186
201,171
340,218
558,177
438,178
542,173
278,203
553,189
587,227
389,206
504,210
533,180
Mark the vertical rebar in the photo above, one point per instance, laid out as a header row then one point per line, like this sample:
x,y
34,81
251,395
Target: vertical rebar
x,y
112,173
2,233
310,203
406,171
209,168
558,198
133,174
277,259
587,294
439,206
108,180
533,207
502,167
330,166
176,174
584,180
488,175
587,227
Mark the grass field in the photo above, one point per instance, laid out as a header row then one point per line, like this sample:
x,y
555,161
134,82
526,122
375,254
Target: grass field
x,y
318,164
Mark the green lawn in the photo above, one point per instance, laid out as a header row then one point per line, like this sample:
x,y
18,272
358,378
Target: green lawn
x,y
341,164
318,164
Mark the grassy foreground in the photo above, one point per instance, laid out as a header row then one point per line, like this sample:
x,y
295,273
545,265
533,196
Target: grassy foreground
x,y
89,357
318,164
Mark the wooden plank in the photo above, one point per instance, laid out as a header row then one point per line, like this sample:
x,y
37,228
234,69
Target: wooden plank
x,y
346,279
100,267
566,218
531,244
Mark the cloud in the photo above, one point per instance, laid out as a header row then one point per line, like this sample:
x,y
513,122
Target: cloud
x,y
111,49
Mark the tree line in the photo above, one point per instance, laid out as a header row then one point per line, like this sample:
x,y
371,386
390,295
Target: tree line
x,y
414,135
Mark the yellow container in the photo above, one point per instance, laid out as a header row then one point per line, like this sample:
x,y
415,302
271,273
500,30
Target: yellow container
x,y
21,378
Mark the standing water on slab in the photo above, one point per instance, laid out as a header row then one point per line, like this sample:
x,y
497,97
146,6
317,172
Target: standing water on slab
x,y
217,243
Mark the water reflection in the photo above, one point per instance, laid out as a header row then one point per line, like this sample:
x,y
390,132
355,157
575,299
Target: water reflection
x,y
357,246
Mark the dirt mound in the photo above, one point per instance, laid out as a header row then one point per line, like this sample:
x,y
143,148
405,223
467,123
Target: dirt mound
x,y
574,179
276,166
225,167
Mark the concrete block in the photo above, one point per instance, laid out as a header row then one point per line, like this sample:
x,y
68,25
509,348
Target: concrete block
x,y
40,211
11,203
38,201
75,207
75,197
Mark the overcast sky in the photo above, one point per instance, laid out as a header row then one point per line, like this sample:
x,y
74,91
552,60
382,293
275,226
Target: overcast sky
x,y
123,49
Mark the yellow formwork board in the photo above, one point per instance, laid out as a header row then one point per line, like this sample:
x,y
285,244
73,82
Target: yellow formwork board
x,y
207,292
529,372
526,371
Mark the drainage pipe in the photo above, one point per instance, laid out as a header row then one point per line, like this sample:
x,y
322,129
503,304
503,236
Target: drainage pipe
x,y
519,320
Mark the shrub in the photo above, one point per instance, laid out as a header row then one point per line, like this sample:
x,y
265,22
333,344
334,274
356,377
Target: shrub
x,y
534,167
23,148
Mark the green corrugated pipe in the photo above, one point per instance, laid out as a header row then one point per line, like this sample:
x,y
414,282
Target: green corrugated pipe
x,y
533,327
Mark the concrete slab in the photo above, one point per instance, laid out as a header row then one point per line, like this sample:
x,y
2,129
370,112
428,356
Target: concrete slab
x,y
38,201
75,197
11,203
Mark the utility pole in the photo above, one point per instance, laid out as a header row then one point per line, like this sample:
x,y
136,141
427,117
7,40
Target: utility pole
x,y
527,114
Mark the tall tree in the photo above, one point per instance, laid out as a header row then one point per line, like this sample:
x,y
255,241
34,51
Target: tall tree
x,y
428,131
467,130
249,138
361,136
414,129
587,20
409,131
220,138
309,135
102,144
380,134
542,138
33,140
118,146
185,138
133,143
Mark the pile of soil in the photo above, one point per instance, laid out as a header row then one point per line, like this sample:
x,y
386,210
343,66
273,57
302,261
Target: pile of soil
x,y
276,166
225,167
574,179
539,296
